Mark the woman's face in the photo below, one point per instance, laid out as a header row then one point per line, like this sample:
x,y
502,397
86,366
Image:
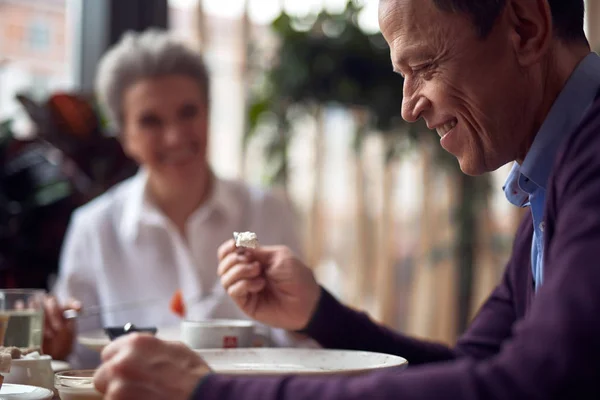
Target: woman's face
x,y
165,127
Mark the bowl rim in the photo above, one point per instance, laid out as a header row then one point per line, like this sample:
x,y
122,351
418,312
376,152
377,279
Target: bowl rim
x,y
65,374
398,362
218,323
43,357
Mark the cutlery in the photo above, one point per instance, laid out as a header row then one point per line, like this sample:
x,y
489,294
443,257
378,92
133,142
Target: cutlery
x,y
93,311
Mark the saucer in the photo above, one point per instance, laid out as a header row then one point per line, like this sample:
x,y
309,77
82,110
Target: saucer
x,y
24,392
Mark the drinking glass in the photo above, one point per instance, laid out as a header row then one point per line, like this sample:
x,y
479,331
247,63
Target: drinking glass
x,y
21,317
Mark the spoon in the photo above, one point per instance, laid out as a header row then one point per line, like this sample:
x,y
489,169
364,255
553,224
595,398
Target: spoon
x,y
117,331
98,310
93,311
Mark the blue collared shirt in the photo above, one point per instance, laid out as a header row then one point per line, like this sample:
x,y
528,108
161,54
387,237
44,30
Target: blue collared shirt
x,y
526,184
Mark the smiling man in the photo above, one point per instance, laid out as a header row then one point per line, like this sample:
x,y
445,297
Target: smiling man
x,y
500,81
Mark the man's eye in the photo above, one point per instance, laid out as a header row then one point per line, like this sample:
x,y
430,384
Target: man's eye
x,y
422,68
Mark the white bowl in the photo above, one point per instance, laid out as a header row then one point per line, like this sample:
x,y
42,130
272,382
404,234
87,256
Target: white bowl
x,y
76,385
32,372
271,361
217,333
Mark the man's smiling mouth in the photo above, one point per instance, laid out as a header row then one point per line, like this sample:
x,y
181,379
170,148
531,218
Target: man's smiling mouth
x,y
447,127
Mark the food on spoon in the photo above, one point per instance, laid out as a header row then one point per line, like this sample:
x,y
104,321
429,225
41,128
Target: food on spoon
x,y
246,239
7,354
17,353
177,304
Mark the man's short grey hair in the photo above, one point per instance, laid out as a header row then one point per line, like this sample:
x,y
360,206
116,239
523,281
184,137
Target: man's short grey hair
x,y
137,56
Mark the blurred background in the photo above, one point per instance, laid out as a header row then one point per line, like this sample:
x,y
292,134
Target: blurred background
x,y
303,101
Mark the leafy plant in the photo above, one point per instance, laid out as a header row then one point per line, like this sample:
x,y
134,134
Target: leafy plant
x,y
324,59
43,179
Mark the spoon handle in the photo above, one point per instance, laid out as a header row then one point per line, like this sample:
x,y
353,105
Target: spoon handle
x,y
98,310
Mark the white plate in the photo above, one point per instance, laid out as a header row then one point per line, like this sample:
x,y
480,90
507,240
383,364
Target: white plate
x,y
97,340
270,361
24,392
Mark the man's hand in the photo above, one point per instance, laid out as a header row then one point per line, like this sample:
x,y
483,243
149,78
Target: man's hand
x,y
140,366
269,284
59,333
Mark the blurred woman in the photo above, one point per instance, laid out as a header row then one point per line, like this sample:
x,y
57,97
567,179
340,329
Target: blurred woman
x,y
159,231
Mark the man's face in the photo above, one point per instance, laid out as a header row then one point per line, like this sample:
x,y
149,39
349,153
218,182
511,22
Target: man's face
x,y
472,91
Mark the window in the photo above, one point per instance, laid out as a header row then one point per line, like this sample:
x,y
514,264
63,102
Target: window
x,y
15,33
35,54
39,35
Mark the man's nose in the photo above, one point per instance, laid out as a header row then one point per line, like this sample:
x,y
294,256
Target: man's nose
x,y
413,108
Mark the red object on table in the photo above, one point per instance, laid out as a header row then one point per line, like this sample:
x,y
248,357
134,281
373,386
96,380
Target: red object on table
x,y
177,304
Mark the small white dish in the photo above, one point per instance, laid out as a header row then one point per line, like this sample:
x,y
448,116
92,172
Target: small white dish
x,y
77,385
98,339
34,372
10,391
217,333
272,361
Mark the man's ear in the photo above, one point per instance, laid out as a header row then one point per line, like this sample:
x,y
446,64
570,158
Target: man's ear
x,y
532,29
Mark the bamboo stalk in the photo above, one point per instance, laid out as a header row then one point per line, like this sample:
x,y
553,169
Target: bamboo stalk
x,y
421,303
359,284
485,276
245,74
444,272
202,27
385,283
465,250
316,226
593,23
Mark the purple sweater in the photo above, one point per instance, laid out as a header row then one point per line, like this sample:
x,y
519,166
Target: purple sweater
x,y
518,346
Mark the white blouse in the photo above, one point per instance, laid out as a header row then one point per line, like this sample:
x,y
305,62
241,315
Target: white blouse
x,y
119,248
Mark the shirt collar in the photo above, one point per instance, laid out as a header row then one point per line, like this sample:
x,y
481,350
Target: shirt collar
x,y
565,115
139,210
514,194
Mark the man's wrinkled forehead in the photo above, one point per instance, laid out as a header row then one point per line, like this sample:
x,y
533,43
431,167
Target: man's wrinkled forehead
x,y
397,14
409,23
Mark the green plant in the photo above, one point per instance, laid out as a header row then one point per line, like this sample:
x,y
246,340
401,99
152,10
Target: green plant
x,y
323,59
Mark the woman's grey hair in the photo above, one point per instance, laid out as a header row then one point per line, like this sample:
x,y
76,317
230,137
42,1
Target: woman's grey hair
x,y
137,56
